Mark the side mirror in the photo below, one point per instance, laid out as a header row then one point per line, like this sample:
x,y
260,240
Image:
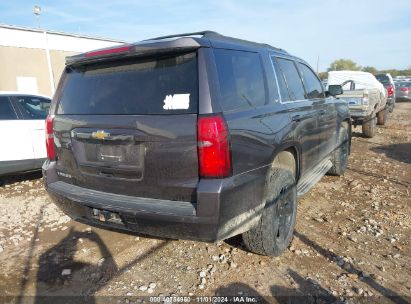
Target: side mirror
x,y
334,90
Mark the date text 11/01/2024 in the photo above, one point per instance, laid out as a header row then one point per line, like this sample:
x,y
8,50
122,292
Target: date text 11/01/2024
x,y
205,299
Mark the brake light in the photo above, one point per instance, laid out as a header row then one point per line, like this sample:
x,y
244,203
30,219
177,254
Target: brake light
x,y
51,153
390,90
365,100
214,153
115,50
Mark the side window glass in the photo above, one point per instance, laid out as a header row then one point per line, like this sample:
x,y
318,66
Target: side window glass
x,y
6,109
33,107
295,86
241,79
285,96
311,82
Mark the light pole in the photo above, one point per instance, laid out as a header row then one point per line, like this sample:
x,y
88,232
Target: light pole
x,y
37,12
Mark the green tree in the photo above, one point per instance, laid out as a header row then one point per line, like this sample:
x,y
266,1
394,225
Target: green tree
x,y
344,64
370,69
323,75
394,72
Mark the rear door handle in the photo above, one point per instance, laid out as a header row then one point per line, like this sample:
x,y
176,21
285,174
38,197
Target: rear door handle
x,y
296,118
322,112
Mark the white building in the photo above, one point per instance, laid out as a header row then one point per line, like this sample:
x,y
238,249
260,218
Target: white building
x,y
32,60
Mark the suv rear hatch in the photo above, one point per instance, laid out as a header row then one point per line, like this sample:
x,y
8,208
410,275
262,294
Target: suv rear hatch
x,y
128,126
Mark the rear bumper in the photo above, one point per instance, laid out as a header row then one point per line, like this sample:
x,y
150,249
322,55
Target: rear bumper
x,y
403,97
224,207
359,113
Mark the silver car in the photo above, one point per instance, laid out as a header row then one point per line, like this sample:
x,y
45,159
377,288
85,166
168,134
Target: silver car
x,y
403,90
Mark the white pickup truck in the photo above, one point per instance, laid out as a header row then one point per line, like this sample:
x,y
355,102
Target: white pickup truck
x,y
366,98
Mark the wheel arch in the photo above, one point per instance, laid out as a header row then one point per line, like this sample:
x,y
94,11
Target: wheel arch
x,y
288,156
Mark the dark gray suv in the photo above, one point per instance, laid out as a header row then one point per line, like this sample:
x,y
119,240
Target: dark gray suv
x,y
193,136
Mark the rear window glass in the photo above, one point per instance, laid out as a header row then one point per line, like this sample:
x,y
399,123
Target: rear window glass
x,y
33,107
241,79
167,85
383,79
403,84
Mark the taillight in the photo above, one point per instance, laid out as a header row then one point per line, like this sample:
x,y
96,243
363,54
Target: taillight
x,y
405,89
365,100
51,153
214,154
390,90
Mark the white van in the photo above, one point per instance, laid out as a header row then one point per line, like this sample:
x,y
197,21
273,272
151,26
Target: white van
x,y
22,135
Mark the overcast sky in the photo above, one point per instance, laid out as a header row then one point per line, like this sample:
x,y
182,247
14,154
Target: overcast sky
x,y
370,32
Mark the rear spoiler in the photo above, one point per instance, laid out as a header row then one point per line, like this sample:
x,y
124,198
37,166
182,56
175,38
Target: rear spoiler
x,y
142,49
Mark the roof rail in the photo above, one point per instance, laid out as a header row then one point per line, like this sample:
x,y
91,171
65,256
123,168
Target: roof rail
x,y
202,33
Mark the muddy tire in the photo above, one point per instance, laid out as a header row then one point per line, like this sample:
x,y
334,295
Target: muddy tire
x,y
382,117
339,157
274,231
369,127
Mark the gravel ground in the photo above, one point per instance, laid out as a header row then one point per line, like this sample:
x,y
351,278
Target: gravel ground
x,y
352,242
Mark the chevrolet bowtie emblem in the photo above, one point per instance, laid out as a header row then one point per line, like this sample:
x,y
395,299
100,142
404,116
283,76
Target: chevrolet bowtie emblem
x,y
100,134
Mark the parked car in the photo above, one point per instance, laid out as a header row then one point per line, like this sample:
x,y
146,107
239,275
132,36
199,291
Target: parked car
x,y
389,85
402,79
366,98
22,132
193,136
403,91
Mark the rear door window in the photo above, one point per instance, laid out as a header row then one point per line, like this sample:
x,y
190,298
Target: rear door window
x,y
6,109
285,96
312,83
166,85
241,78
33,107
292,78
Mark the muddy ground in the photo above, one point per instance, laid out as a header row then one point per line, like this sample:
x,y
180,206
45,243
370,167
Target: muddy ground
x,y
352,242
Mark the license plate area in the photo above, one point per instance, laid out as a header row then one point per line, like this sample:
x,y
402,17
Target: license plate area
x,y
112,154
128,155
119,148
111,160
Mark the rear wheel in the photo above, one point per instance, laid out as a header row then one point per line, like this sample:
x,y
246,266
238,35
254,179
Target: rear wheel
x,y
382,117
369,127
339,157
274,231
